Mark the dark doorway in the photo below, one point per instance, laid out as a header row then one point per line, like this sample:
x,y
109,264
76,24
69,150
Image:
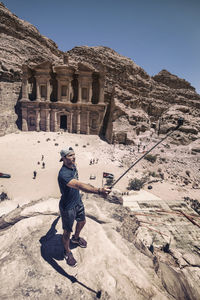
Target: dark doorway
x,y
63,122
95,89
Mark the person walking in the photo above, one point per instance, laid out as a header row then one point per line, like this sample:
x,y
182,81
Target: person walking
x,y
71,205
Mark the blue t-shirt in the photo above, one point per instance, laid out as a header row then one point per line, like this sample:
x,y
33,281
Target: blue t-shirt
x,y
70,197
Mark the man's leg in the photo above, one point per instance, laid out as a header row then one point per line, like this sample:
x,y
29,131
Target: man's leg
x,y
68,217
80,218
66,240
68,255
75,238
79,227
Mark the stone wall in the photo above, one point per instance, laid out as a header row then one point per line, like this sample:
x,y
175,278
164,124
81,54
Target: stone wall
x,y
9,94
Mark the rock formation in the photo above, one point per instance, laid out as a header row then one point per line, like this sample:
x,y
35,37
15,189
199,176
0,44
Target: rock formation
x,y
116,265
20,43
136,102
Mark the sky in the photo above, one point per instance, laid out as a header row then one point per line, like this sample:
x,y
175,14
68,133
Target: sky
x,y
155,34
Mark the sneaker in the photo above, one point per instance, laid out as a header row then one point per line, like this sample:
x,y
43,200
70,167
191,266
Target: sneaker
x,y
80,242
70,259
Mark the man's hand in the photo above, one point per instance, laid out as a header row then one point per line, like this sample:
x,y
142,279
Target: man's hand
x,y
104,192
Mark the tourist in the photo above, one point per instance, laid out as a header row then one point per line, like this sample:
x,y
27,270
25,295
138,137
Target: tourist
x,y
34,174
71,205
43,165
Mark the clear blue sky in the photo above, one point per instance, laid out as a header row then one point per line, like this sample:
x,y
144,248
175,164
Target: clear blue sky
x,y
155,34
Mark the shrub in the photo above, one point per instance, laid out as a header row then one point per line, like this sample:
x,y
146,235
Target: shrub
x,y
136,184
151,158
153,174
3,196
162,176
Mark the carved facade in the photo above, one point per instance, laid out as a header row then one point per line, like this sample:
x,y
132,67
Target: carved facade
x,y
62,97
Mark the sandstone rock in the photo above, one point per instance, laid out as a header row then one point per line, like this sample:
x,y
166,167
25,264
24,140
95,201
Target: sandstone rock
x,y
175,283
136,101
36,252
20,42
172,81
196,149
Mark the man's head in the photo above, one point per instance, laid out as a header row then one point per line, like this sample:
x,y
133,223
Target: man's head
x,y
68,156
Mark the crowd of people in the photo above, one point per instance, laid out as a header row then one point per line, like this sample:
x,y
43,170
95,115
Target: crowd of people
x,y
94,161
43,167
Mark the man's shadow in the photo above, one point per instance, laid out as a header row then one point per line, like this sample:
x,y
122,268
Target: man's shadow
x,y
52,249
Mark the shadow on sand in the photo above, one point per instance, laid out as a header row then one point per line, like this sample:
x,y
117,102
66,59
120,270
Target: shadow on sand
x,y
52,249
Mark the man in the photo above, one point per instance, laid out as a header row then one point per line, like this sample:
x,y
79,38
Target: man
x,y
34,174
71,206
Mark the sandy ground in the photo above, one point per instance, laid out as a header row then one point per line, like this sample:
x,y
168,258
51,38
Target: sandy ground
x,y
21,154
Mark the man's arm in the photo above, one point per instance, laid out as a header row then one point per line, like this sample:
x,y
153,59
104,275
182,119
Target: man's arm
x,y
87,188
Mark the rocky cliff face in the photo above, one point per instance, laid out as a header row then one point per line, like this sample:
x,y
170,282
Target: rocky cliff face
x,y
20,42
116,265
136,102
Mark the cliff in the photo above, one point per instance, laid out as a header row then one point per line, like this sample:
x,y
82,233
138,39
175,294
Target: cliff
x,y
20,42
137,102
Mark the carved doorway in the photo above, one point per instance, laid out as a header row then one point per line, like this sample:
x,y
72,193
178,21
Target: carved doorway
x,y
63,122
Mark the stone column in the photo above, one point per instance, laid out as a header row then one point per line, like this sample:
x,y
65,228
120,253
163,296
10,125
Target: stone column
x,y
52,113
90,92
37,110
88,122
47,119
78,121
38,96
55,121
24,119
71,119
101,90
69,87
48,90
79,91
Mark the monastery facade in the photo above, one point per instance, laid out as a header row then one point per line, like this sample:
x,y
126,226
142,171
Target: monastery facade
x,y
61,97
